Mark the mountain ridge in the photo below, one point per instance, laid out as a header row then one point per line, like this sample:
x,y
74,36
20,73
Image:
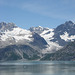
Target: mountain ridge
x,y
36,39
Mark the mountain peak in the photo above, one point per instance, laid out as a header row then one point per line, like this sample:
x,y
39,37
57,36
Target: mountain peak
x,y
7,26
38,28
69,22
3,23
66,26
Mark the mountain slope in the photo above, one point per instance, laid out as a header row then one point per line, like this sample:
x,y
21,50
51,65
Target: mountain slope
x,y
17,52
65,54
58,37
19,42
47,34
7,26
35,42
64,33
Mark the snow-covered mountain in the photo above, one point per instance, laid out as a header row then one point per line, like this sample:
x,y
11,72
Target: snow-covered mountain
x,y
24,41
7,26
48,35
57,37
32,43
65,33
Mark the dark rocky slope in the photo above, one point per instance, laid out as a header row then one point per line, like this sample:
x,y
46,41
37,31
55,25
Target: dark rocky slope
x,y
65,54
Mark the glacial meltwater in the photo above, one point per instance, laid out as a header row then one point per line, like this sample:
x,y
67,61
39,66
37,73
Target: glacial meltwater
x,y
37,68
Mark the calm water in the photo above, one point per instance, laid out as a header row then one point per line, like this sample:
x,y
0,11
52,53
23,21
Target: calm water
x,y
37,68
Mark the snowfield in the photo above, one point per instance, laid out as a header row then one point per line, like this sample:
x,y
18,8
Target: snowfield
x,y
17,34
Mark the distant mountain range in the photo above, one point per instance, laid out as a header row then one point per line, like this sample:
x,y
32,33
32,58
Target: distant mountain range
x,y
33,44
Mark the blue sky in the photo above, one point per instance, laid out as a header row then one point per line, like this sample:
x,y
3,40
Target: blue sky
x,y
32,13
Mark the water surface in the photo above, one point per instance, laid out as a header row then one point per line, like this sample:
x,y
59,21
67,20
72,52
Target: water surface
x,y
37,68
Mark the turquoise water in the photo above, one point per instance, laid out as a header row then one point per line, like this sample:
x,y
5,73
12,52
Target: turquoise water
x,y
37,68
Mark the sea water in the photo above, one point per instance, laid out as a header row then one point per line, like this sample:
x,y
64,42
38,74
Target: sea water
x,y
37,68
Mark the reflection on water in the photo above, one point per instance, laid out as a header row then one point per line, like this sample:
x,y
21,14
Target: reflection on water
x,y
37,68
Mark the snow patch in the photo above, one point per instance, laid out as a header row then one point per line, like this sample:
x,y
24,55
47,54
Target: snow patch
x,y
52,46
66,37
17,34
47,36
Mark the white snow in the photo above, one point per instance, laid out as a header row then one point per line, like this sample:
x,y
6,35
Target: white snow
x,y
66,37
47,36
4,37
37,28
52,46
17,34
